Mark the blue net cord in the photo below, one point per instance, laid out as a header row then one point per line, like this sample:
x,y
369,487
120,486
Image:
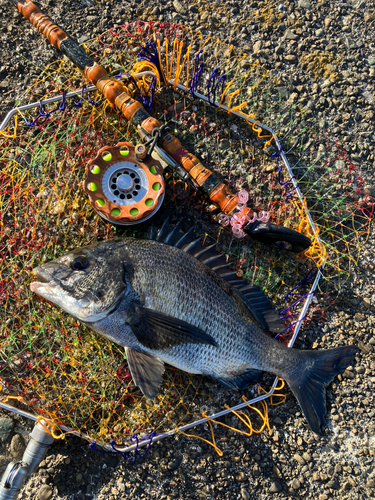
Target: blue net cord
x,y
131,458
212,85
60,107
79,103
42,111
197,74
308,279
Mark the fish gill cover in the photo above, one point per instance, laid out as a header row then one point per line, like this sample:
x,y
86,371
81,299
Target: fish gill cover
x,y
51,365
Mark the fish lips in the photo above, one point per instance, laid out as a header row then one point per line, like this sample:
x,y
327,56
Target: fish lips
x,y
44,280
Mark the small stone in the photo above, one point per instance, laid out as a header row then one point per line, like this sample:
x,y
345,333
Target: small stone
x,y
367,16
175,464
323,497
319,32
250,178
245,495
348,374
78,477
83,39
290,35
17,446
241,477
257,46
316,476
371,60
295,484
370,483
45,493
327,22
304,4
306,456
364,348
290,58
179,7
6,428
275,487
299,459
67,461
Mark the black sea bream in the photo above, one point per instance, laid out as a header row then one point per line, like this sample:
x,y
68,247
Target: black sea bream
x,y
169,300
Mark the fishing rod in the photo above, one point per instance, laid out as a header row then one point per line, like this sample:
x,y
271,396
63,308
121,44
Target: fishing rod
x,y
124,183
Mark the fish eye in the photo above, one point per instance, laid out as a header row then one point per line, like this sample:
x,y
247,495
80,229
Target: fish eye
x,y
79,263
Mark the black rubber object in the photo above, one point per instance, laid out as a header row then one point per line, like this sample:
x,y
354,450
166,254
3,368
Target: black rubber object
x,y
279,236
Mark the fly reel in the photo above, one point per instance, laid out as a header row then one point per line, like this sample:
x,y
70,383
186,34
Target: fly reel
x,y
122,187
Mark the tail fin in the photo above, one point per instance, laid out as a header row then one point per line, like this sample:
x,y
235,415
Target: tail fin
x,y
315,371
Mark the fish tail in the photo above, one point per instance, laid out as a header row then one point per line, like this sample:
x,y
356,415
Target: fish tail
x,y
315,370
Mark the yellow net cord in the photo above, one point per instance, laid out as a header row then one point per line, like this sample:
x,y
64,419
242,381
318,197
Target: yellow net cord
x,y
243,417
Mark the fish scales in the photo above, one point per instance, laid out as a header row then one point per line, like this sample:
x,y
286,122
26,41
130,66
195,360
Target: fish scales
x,y
193,296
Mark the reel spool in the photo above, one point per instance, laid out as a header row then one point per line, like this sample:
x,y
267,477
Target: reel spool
x,y
122,188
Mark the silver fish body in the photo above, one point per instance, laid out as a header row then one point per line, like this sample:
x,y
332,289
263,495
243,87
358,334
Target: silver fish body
x,y
166,306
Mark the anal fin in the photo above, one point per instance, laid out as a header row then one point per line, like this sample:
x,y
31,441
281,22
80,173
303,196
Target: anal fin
x,y
146,371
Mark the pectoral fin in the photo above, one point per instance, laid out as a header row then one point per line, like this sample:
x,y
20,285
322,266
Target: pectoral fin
x,y
146,372
156,330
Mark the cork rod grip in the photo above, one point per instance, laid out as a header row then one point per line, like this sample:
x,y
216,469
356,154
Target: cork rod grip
x,y
42,23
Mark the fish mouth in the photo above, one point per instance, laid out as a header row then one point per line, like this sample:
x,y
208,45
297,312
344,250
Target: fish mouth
x,y
43,279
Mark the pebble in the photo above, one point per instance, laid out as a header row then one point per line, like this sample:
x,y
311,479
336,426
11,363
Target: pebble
x,y
241,477
295,484
257,46
175,464
299,459
179,7
366,349
45,493
17,446
6,428
290,58
275,487
245,495
304,4
83,39
290,35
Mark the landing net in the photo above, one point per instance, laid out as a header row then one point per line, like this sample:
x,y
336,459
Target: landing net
x,y
52,366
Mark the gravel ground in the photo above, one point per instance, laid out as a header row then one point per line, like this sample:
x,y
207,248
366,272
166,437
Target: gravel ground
x,y
292,462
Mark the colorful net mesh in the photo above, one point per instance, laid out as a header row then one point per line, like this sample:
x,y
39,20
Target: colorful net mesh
x,y
57,368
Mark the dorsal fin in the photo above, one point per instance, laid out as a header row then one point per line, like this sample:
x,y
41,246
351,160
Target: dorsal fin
x,y
252,296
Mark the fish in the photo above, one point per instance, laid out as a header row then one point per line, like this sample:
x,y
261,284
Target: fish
x,y
169,299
